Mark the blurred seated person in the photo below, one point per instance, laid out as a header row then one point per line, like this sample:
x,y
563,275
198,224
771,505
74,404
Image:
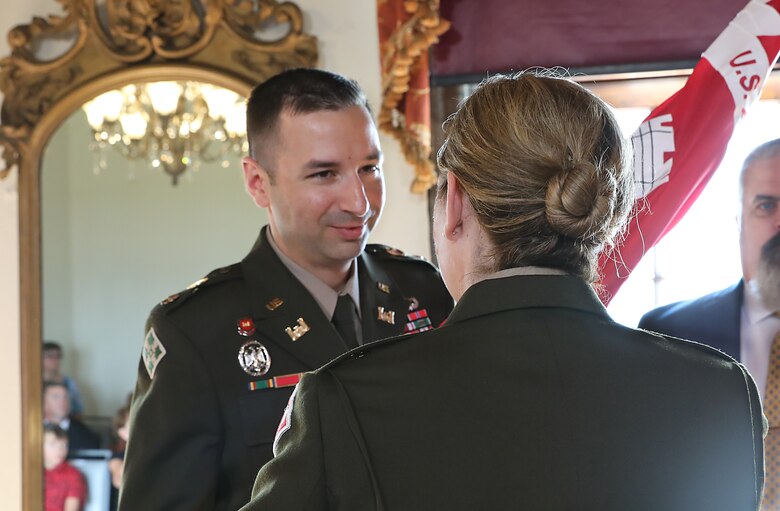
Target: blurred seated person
x,y
121,432
65,489
529,396
56,411
52,371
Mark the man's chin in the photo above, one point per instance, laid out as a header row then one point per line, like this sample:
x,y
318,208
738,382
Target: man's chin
x,y
346,249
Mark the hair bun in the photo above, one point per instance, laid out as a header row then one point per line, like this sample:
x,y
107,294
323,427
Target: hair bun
x,y
577,202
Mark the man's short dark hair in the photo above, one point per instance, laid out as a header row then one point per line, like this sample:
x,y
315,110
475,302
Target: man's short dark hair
x,y
57,431
297,91
52,346
48,384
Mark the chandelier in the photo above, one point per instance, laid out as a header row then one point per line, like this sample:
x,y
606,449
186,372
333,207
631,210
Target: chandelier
x,y
172,125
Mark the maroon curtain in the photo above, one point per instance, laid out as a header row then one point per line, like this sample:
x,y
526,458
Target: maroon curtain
x,y
502,35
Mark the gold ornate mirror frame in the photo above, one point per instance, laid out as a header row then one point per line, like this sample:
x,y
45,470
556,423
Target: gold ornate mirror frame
x,y
112,43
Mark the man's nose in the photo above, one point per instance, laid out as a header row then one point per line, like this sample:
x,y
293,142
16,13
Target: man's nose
x,y
355,200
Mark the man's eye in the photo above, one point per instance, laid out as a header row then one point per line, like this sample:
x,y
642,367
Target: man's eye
x,y
372,169
766,207
322,174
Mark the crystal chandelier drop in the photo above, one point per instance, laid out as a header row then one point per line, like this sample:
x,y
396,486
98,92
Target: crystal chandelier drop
x,y
171,125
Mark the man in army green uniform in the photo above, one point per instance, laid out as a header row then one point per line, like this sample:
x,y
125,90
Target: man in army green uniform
x,y
220,359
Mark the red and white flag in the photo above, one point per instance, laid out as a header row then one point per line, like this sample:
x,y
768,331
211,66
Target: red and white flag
x,y
682,142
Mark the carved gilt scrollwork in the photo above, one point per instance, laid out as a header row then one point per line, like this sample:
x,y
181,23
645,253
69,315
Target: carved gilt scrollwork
x,y
221,35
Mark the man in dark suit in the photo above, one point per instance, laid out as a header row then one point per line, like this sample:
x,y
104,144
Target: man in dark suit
x,y
56,411
744,320
529,396
221,358
738,320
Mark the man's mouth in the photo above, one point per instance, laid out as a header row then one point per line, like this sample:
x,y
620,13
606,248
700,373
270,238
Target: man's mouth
x,y
350,232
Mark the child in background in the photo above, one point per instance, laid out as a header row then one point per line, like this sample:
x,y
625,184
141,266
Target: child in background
x,y
65,486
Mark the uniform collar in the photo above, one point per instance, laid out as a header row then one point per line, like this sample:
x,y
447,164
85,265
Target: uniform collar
x,y
526,291
325,296
279,301
524,270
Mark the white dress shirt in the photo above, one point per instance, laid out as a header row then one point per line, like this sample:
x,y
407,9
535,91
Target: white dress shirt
x,y
758,327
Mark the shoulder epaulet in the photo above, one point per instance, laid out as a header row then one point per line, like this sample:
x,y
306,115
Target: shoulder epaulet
x,y
215,277
396,254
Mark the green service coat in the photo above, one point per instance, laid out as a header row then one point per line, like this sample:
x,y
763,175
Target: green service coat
x,y
201,427
529,397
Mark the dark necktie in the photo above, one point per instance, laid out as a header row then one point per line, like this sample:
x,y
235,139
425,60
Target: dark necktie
x,y
346,320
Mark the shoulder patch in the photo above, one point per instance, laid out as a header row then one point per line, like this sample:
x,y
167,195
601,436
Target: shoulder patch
x,y
214,277
286,422
152,353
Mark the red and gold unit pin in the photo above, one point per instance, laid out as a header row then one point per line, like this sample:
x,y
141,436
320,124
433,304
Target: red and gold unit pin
x,y
246,326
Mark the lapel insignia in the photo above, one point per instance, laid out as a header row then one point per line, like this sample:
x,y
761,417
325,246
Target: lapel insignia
x,y
386,316
274,304
414,303
297,331
418,322
383,287
246,327
254,358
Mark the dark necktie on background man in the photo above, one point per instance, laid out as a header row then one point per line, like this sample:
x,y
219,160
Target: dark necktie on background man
x,y
771,500
346,320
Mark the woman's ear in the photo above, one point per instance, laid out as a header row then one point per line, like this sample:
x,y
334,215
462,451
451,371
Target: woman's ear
x,y
453,227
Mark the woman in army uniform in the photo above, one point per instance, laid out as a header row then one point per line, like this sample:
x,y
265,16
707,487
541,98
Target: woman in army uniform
x,y
530,396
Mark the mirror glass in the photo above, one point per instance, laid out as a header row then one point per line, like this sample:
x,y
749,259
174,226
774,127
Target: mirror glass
x,y
118,237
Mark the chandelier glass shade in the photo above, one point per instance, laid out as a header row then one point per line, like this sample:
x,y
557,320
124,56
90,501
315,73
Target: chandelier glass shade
x,y
171,125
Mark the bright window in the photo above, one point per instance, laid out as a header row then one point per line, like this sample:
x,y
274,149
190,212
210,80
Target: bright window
x,y
701,254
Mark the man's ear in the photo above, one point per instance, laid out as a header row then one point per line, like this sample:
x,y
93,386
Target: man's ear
x,y
256,181
453,227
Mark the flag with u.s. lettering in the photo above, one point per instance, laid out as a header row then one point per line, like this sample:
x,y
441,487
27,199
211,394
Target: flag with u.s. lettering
x,y
681,143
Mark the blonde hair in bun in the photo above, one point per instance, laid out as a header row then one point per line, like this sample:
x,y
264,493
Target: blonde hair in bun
x,y
544,166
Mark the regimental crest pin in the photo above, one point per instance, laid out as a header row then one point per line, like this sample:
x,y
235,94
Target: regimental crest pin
x,y
386,316
254,358
414,303
297,331
246,327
